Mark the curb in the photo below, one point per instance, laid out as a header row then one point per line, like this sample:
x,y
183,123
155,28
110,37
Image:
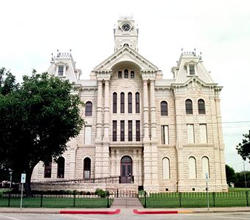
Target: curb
x,y
117,211
135,211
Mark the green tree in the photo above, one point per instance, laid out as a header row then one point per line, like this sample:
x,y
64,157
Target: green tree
x,y
243,148
230,173
37,119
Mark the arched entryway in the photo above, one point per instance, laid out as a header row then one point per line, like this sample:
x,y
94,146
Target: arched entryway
x,y
86,168
126,170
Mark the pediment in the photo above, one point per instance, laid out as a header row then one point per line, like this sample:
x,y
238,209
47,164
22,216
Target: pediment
x,y
196,82
126,54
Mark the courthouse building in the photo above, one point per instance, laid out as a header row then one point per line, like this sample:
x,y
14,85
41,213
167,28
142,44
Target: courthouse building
x,y
141,131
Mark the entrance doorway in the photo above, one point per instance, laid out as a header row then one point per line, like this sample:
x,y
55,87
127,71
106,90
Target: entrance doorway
x,y
126,170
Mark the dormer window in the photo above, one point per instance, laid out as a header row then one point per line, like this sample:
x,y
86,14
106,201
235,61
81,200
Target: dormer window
x,y
60,70
191,69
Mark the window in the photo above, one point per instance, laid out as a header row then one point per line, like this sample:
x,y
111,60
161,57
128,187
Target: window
x,y
114,130
114,102
119,74
122,128
138,131
164,134
191,69
205,167
189,106
88,109
165,168
129,102
47,169
137,102
192,167
125,73
132,74
122,103
60,167
190,133
164,108
203,133
201,106
86,168
88,135
60,70
130,131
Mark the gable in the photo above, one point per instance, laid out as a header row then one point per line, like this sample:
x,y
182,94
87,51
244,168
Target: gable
x,y
126,54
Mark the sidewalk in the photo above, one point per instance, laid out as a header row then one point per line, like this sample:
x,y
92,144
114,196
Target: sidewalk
x,y
182,210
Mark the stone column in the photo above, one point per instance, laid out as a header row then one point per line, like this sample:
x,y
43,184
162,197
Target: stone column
x,y
106,112
145,110
153,110
147,147
99,112
105,152
99,132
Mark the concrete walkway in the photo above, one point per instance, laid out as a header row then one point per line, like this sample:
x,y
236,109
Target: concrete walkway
x,y
126,203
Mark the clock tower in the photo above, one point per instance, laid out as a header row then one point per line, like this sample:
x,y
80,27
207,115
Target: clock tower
x,y
126,34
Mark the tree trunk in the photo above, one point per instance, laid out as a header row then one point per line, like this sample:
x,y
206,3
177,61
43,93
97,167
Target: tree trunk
x,y
27,187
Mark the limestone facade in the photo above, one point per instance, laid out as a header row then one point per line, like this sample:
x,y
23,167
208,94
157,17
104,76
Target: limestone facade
x,y
172,139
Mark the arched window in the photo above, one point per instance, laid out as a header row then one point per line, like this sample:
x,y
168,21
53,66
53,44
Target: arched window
x,y
192,168
88,109
137,102
129,102
47,169
164,108
165,168
201,106
122,102
132,74
125,73
86,168
205,167
114,102
189,106
60,167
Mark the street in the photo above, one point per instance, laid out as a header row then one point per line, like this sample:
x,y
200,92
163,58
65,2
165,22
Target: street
x,y
127,215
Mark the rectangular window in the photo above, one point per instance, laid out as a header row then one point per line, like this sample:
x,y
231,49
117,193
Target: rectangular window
x,y
119,74
47,170
130,133
129,102
190,133
88,135
203,133
122,130
122,103
114,130
60,70
132,74
164,134
138,131
191,69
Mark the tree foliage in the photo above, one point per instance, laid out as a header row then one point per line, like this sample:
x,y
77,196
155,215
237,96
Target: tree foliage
x,y
243,148
230,173
37,118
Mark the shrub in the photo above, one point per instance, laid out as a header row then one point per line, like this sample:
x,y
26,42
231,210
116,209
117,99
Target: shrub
x,y
101,193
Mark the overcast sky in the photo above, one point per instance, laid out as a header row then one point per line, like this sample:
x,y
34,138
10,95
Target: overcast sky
x,y
220,29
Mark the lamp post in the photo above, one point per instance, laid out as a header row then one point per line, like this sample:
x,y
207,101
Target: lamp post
x,y
10,172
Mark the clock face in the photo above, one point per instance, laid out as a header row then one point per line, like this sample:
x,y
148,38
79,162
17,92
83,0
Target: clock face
x,y
126,27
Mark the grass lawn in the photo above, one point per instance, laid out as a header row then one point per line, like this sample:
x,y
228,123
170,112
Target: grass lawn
x,y
56,202
171,200
238,189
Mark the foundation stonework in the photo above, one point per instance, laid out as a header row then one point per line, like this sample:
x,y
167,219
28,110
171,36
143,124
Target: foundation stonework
x,y
127,136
